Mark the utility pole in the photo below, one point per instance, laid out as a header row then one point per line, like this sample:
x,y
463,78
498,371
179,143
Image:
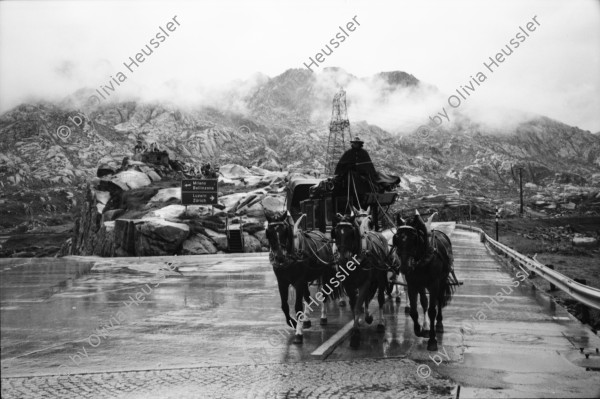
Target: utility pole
x,y
521,189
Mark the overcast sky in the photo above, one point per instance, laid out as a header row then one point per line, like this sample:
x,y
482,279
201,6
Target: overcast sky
x,y
50,49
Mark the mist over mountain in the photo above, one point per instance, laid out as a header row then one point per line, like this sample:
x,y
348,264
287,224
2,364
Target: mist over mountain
x,y
282,123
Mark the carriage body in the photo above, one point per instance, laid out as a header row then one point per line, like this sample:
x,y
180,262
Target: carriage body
x,y
299,201
321,199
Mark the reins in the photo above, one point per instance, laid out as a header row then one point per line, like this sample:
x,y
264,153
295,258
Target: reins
x,y
371,237
296,255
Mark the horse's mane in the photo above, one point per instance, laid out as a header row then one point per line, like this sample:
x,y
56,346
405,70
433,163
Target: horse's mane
x,y
377,243
315,242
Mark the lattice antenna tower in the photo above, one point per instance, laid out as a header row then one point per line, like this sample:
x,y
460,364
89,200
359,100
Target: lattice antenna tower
x,y
339,131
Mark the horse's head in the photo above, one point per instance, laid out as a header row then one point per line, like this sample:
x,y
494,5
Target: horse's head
x,y
278,233
282,232
407,242
361,215
400,221
410,241
347,236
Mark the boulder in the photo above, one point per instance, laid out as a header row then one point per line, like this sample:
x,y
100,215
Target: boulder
x,y
223,180
155,237
262,237
255,210
168,212
102,196
251,243
219,239
153,175
249,199
230,202
195,211
252,228
568,205
198,245
233,171
112,214
253,180
273,205
586,242
131,179
166,194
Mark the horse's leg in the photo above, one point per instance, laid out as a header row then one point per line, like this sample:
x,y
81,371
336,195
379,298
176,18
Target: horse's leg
x,y
434,298
355,304
425,306
341,301
300,315
397,287
363,298
306,323
283,293
389,276
381,299
414,313
323,320
439,326
407,306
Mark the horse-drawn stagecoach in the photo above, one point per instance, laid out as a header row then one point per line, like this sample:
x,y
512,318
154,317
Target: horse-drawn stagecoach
x,y
322,199
326,236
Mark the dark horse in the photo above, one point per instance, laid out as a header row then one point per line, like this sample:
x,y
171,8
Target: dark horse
x,y
298,258
422,271
364,254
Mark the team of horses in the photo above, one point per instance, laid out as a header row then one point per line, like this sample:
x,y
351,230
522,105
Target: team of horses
x,y
360,263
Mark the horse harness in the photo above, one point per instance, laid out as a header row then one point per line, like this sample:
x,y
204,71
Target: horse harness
x,y
364,252
423,238
297,255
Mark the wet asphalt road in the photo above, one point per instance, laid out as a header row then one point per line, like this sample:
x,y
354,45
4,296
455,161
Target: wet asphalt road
x,y
126,328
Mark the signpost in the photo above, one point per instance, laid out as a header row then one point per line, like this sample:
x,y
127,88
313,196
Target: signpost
x,y
199,192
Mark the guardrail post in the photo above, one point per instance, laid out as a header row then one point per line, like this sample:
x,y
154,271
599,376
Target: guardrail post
x,y
585,311
552,286
497,215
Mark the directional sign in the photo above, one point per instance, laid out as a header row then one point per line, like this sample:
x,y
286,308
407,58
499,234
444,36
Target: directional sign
x,y
199,192
199,198
199,185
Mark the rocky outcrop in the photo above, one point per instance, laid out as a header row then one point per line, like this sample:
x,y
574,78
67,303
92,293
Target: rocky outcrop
x,y
126,215
156,237
251,243
198,244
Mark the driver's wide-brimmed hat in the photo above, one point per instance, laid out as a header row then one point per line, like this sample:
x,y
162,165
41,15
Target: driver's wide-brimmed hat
x,y
357,140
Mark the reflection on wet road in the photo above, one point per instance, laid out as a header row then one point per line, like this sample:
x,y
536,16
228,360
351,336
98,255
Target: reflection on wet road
x,y
58,316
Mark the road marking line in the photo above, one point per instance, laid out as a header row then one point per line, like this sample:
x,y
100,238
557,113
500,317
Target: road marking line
x,y
328,346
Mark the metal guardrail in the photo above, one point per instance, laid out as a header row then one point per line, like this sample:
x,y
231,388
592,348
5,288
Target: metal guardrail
x,y
587,295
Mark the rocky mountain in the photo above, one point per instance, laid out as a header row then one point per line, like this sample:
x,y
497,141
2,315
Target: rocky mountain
x,y
49,152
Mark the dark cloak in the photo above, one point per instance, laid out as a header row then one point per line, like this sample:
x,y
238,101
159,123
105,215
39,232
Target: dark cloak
x,y
357,160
